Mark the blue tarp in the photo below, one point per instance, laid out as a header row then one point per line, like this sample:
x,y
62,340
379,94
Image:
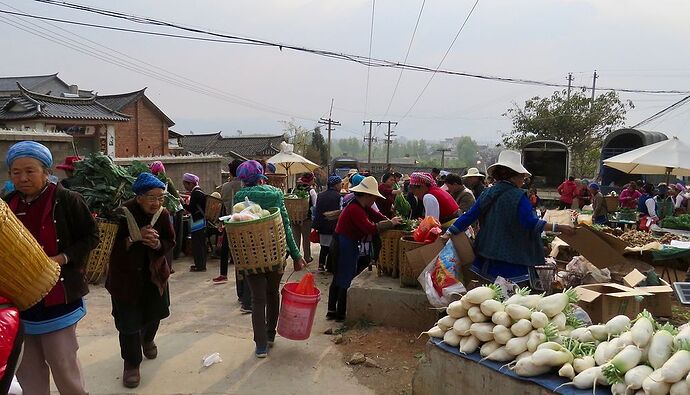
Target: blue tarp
x,y
548,381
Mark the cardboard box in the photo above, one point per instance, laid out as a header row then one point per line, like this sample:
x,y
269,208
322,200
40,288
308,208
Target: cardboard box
x,y
659,303
602,249
605,301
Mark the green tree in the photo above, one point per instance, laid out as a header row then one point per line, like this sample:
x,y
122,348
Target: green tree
x,y
351,146
579,122
466,151
317,150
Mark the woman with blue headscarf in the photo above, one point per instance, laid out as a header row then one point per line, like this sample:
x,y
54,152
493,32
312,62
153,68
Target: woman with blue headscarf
x,y
138,274
265,282
62,224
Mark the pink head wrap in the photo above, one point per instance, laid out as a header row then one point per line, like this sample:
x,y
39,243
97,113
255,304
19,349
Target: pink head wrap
x,y
157,167
421,178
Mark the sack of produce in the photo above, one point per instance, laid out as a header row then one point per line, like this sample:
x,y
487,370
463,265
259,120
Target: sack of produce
x,y
440,278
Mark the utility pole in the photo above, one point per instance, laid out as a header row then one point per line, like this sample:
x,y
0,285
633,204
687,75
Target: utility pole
x,y
388,139
570,83
594,87
443,155
330,127
389,134
369,140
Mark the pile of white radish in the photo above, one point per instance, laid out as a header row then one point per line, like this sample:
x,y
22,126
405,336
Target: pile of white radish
x,y
535,335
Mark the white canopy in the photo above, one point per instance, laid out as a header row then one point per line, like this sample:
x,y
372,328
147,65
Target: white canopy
x,y
288,162
670,157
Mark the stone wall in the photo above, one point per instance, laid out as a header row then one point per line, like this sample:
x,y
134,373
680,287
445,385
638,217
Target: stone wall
x,y
207,167
60,146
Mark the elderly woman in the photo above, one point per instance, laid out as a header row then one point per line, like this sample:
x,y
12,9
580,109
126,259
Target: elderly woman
x,y
600,211
357,222
437,202
301,229
509,241
138,274
264,282
328,200
196,208
62,224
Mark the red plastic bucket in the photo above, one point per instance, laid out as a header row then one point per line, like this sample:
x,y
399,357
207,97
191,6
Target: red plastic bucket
x,y
296,313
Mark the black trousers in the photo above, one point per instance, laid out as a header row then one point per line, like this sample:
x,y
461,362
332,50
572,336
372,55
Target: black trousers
x,y
224,255
199,248
337,300
130,344
323,256
265,305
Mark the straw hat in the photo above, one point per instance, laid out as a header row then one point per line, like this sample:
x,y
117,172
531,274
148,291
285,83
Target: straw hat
x,y
510,159
473,172
369,185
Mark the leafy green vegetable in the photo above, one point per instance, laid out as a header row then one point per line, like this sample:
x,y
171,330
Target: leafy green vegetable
x,y
103,184
172,198
402,206
679,222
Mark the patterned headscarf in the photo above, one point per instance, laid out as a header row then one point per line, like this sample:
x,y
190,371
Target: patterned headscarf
x,y
189,177
29,149
250,172
146,182
333,180
421,178
157,167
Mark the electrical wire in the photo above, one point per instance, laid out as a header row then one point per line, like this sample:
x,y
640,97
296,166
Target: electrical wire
x,y
409,47
462,27
364,60
663,112
371,41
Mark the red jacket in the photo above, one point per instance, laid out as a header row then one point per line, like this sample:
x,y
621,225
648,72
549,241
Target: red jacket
x,y
356,222
447,206
568,190
9,329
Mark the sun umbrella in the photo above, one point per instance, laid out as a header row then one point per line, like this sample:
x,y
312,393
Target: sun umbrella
x,y
670,157
290,162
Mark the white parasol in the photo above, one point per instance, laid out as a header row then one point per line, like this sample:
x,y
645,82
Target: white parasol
x,y
290,162
670,157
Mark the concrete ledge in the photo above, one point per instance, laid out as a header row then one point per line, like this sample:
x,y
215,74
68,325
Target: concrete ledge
x,y
382,301
440,372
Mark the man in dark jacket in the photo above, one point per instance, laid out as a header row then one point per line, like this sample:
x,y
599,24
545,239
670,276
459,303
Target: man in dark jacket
x,y
328,200
196,207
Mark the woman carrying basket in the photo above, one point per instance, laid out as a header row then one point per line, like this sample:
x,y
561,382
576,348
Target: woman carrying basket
x,y
138,274
62,224
265,284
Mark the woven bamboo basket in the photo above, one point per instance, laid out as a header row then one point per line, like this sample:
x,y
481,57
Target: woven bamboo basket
x,y
214,207
408,273
26,272
258,246
97,262
389,256
298,209
277,180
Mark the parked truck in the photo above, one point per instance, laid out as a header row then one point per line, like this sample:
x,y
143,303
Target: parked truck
x,y
549,163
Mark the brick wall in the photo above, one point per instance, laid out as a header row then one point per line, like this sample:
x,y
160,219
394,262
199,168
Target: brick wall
x,y
146,134
208,168
60,145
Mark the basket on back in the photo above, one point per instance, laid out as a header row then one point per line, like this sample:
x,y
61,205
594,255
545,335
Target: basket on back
x,y
389,255
26,272
258,245
214,207
298,209
97,262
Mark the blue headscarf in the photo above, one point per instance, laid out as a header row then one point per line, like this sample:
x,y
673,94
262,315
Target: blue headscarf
x,y
356,179
146,182
29,149
8,187
594,186
333,180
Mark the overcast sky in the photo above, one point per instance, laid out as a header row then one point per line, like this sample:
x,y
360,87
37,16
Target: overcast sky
x,y
631,43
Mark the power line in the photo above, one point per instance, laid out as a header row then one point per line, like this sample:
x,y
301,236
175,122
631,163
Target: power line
x,y
414,32
371,40
663,112
442,60
367,61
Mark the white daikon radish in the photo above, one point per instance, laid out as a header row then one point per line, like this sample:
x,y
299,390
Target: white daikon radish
x,y
585,379
680,388
626,338
465,303
469,344
451,339
619,389
661,346
635,376
559,321
567,371
625,360
598,332
475,314
534,339
676,368
539,319
502,318
483,331
643,329
531,301
525,354
480,294
517,312
502,334
556,303
491,306
434,332
456,310
615,346
551,346
600,353
578,333
516,345
521,328
683,334
526,367
515,299
583,363
617,325
552,358
446,323
488,348
652,387
461,327
500,355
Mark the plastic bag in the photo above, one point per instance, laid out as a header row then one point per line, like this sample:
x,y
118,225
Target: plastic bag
x,y
582,266
306,285
314,236
428,230
440,279
246,211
